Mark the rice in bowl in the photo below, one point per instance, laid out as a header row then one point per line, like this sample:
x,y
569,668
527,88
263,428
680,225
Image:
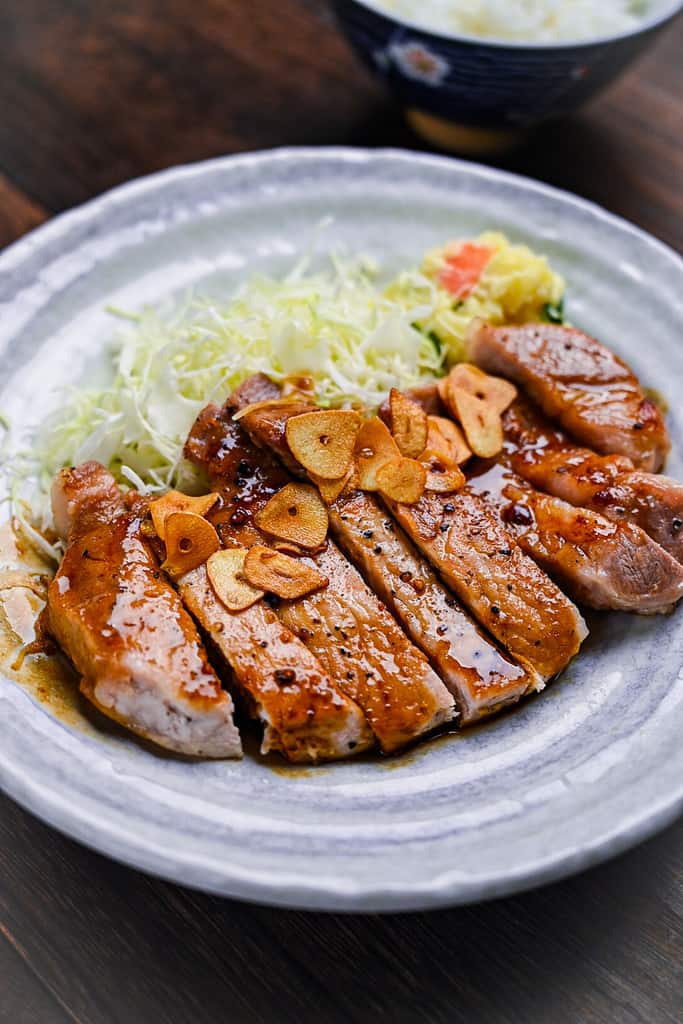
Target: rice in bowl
x,y
523,20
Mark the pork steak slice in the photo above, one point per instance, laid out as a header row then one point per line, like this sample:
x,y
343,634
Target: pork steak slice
x,y
601,564
124,627
607,484
577,381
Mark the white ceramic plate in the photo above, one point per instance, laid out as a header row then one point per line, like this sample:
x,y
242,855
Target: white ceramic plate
x,y
585,770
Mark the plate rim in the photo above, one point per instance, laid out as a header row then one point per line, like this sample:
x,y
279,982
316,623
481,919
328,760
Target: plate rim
x,y
303,893
61,222
300,893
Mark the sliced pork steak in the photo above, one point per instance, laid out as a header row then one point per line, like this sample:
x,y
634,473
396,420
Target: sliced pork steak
x,y
608,484
343,624
463,538
124,627
575,380
602,564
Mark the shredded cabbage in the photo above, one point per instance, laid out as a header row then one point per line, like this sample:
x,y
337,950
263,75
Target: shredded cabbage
x,y
335,325
355,338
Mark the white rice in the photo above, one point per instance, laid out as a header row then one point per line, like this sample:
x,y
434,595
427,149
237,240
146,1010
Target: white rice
x,y
523,20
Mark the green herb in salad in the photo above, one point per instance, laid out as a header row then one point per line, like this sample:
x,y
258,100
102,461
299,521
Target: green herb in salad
x,y
554,312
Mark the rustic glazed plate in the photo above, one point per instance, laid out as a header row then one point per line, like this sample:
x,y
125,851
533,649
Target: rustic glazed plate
x,y
571,777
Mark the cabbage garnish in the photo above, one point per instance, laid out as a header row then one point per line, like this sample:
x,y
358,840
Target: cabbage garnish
x,y
334,325
354,336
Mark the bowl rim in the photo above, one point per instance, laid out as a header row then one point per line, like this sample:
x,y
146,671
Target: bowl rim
x,y
654,21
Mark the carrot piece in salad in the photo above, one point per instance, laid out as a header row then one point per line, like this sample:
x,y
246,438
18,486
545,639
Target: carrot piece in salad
x,y
464,268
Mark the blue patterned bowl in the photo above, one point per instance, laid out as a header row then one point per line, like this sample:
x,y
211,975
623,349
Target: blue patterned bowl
x,y
482,95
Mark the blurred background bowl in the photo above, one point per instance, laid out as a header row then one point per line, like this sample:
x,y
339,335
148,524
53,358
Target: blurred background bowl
x,y
482,96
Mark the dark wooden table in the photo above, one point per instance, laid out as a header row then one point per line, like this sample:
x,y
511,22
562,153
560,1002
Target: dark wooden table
x,y
95,92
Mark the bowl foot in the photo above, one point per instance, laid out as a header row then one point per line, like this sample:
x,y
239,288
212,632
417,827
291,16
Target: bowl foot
x,y
463,138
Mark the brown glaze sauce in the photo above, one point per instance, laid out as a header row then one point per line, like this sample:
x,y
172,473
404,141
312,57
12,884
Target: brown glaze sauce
x,y
535,449
386,762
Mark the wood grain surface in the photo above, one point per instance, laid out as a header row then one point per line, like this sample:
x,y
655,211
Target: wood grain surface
x,y
91,94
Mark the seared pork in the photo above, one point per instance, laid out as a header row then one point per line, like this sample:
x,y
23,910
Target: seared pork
x,y
610,485
463,538
124,627
601,564
607,484
500,585
344,624
305,715
592,393
480,676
